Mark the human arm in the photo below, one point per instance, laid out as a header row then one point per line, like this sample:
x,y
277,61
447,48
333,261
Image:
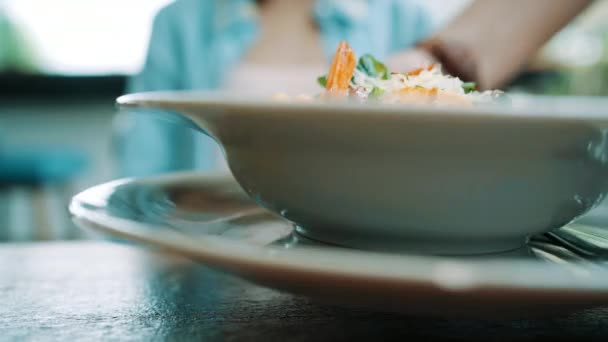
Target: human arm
x,y
491,40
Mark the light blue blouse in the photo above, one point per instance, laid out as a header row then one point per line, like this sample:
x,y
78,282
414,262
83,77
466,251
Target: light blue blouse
x,y
194,42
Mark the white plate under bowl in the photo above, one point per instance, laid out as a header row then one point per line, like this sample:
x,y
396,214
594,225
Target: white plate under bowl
x,y
208,218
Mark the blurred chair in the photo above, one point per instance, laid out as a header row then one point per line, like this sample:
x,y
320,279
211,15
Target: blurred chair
x,y
35,185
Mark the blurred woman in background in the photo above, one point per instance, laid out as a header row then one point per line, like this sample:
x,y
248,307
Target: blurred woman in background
x,y
257,47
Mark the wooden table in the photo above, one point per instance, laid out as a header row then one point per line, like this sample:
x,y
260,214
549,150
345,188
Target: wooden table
x,y
76,291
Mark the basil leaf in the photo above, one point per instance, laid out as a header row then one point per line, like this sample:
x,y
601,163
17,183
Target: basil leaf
x,y
372,67
382,70
469,87
366,64
322,80
376,92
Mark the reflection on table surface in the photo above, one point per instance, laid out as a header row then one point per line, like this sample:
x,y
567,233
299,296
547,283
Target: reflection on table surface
x,y
81,291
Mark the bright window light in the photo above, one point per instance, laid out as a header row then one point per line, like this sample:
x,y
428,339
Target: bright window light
x,y
89,37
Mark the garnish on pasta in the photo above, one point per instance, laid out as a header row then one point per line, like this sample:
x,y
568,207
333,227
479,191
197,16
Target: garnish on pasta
x,y
370,80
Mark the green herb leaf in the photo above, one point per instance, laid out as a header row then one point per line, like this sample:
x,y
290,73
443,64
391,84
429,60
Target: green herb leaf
x,y
372,67
376,92
322,80
366,64
469,87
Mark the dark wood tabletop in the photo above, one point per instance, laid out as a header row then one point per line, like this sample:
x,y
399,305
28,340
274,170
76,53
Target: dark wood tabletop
x,y
76,291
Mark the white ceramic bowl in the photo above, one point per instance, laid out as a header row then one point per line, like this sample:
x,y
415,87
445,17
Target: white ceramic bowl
x,y
417,179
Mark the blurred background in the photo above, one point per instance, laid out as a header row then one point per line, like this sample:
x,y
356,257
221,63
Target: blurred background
x,y
63,63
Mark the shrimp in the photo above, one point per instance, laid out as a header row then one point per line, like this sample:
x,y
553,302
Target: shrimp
x,y
341,71
420,95
417,72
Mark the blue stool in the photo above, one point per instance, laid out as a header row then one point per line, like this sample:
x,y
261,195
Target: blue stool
x,y
34,187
